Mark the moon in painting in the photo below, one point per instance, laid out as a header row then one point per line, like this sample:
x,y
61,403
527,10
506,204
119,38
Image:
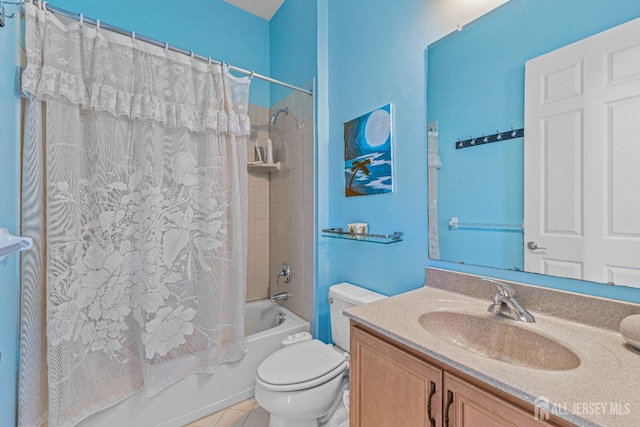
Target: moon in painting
x,y
378,128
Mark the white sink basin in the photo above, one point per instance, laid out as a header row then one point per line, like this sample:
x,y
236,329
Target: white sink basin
x,y
499,339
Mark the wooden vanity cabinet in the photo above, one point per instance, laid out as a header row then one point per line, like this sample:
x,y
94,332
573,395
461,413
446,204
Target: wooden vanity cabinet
x,y
391,387
470,406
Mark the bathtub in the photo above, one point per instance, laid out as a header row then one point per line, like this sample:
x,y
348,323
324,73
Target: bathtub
x,y
196,396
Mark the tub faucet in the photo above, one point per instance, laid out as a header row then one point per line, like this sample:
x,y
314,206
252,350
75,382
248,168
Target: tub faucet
x,y
285,272
505,304
280,297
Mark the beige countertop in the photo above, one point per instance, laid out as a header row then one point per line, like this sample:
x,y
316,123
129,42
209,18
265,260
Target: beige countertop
x,y
604,390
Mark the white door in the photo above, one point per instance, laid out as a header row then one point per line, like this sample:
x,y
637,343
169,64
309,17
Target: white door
x,y
582,159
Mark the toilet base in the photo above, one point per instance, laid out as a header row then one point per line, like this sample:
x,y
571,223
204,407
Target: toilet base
x,y
303,408
339,419
276,421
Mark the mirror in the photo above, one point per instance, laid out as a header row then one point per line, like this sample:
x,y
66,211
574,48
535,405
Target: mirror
x,y
476,89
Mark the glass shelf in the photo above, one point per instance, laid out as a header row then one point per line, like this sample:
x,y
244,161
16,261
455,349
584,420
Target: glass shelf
x,y
385,239
10,243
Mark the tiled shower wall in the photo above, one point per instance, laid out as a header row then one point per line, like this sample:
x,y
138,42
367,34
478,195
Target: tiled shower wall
x,y
258,242
291,214
281,205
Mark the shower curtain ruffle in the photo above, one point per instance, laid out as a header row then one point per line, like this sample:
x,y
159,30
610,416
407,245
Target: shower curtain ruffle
x,y
104,71
135,192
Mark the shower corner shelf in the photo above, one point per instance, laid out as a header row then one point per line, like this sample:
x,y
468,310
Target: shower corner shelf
x,y
385,239
263,167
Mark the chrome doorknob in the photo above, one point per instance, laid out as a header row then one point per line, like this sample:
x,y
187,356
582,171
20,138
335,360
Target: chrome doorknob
x,y
533,246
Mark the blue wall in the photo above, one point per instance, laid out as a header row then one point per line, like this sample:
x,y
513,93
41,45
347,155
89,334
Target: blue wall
x,y
208,27
476,86
293,40
376,57
9,190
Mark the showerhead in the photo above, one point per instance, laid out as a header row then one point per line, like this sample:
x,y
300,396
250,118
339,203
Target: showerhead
x,y
274,116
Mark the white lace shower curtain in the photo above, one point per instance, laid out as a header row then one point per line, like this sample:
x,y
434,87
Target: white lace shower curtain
x,y
134,190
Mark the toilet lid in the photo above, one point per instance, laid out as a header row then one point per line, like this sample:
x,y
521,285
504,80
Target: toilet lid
x,y
299,363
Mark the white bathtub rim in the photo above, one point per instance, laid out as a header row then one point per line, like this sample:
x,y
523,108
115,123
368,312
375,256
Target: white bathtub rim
x,y
291,317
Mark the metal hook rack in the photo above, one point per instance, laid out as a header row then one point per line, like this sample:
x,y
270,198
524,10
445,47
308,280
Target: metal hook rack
x,y
488,139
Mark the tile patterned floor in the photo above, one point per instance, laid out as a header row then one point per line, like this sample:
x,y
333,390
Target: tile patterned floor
x,y
243,414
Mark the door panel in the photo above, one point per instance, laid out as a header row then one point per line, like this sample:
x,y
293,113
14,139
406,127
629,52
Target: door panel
x,y
623,65
582,157
623,203
562,83
562,268
562,174
615,274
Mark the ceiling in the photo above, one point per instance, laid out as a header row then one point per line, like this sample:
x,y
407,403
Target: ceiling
x,y
262,8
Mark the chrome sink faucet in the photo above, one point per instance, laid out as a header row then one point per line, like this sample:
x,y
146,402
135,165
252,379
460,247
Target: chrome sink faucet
x,y
505,304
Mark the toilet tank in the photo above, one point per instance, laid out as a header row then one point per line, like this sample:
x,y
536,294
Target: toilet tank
x,y
343,296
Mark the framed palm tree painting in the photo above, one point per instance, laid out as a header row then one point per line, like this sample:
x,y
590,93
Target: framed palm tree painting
x,y
368,162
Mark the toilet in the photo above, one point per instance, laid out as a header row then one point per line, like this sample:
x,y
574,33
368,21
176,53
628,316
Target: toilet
x,y
304,384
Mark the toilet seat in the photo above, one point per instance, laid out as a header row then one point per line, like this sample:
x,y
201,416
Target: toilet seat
x,y
301,366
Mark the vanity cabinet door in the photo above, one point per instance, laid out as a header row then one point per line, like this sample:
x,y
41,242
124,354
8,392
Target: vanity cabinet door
x,y
390,387
468,406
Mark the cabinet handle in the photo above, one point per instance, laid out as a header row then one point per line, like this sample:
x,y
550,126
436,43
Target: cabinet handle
x,y
432,392
446,411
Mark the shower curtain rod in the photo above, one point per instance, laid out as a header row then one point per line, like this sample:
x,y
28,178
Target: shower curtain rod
x,y
118,30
